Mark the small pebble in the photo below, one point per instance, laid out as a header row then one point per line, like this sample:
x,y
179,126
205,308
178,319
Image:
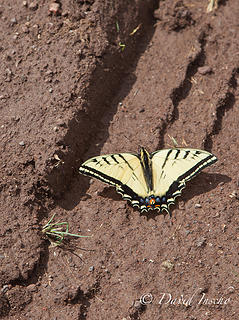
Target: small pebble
x,y
65,13
204,70
60,123
33,5
197,205
231,289
13,21
201,242
167,265
32,287
22,143
25,29
49,72
91,268
54,8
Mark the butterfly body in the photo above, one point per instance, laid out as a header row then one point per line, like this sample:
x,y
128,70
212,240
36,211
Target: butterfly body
x,y
151,181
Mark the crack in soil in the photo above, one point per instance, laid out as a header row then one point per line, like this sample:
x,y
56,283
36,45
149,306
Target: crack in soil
x,y
224,104
182,91
85,125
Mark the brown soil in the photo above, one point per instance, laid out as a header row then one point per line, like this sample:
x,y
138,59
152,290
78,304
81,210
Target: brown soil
x,y
82,81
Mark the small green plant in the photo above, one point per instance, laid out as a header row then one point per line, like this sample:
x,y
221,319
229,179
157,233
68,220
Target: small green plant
x,y
122,46
56,232
117,26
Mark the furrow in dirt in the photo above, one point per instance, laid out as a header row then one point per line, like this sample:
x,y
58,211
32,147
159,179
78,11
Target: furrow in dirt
x,y
103,83
226,102
196,59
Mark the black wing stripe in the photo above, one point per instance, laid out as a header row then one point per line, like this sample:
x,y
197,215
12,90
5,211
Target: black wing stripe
x,y
165,161
99,175
186,154
198,167
120,187
105,160
132,169
120,155
114,158
177,154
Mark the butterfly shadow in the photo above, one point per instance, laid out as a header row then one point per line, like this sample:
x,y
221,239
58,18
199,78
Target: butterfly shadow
x,y
203,183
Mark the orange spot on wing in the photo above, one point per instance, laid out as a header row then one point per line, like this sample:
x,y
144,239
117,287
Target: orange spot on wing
x,y
152,201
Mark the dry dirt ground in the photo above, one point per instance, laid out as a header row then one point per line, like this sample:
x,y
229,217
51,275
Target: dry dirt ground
x,y
82,78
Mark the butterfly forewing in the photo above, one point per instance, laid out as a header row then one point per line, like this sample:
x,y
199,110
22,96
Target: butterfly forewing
x,y
122,170
173,167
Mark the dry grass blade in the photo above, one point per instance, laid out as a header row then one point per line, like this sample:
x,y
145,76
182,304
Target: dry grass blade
x,y
212,5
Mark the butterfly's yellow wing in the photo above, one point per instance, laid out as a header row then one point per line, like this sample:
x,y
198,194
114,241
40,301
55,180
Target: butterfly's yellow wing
x,y
123,170
172,168
149,181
